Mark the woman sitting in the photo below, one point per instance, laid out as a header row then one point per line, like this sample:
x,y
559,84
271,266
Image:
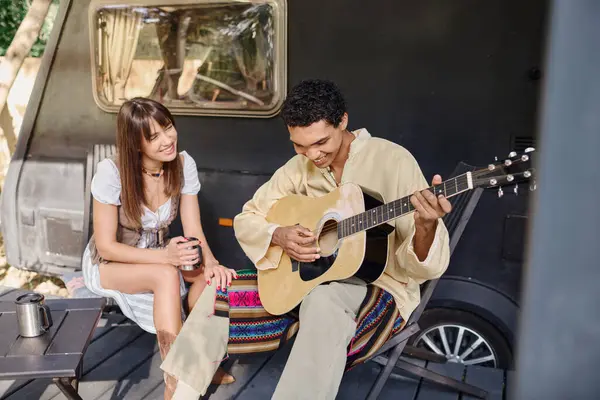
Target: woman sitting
x,y
137,194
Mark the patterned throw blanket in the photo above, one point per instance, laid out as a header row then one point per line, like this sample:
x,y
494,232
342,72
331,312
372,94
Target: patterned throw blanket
x,y
252,329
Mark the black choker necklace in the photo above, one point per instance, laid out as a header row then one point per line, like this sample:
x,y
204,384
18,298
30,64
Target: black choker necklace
x,y
154,175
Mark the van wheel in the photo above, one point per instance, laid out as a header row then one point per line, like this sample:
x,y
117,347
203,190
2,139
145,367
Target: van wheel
x,y
462,337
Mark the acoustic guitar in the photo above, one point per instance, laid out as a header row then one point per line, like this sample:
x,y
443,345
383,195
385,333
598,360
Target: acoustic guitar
x,y
352,229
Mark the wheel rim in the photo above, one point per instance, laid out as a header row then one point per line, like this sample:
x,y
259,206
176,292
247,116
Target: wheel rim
x,y
458,344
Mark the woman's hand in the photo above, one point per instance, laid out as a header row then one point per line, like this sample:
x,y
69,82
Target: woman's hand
x,y
222,275
180,251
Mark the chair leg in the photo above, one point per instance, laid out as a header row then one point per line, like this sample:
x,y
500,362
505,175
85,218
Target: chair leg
x,y
441,379
66,387
422,354
385,373
394,361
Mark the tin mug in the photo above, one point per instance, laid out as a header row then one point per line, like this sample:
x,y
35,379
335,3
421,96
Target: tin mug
x,y
197,265
33,315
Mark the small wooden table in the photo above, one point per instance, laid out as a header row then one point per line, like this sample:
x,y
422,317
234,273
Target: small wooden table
x,y
57,354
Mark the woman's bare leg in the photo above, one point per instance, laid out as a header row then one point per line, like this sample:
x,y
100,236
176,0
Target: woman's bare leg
x,y
198,284
163,281
160,279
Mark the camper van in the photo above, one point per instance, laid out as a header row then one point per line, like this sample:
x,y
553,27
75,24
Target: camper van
x,y
452,81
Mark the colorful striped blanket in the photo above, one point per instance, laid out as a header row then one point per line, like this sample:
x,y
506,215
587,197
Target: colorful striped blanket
x,y
252,329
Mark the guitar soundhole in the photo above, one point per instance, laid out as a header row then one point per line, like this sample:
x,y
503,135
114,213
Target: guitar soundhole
x,y
328,238
328,243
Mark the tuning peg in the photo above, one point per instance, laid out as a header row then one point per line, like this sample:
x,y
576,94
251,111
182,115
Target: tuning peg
x,y
524,157
491,167
532,186
512,154
529,149
516,189
508,163
527,174
493,182
495,158
500,192
510,178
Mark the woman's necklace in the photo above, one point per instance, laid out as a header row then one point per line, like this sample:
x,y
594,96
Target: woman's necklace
x,y
153,174
156,241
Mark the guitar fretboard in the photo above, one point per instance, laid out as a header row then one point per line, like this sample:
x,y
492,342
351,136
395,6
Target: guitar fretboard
x,y
397,208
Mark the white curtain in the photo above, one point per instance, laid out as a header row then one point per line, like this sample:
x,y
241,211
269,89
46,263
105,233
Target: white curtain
x,y
119,39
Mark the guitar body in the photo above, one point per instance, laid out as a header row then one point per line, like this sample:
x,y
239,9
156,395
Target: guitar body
x,y
363,254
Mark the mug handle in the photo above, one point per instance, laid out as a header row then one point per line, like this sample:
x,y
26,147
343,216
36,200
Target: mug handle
x,y
45,310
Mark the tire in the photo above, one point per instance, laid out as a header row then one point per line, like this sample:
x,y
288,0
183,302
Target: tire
x,y
473,327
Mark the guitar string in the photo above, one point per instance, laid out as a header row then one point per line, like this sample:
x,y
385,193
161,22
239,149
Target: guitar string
x,y
461,179
476,175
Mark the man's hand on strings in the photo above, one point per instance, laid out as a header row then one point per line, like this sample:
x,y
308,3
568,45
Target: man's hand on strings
x,y
297,242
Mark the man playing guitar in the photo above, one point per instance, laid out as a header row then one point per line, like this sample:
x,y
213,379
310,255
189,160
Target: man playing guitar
x,y
329,155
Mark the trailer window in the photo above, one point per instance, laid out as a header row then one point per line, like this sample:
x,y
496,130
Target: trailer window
x,y
201,57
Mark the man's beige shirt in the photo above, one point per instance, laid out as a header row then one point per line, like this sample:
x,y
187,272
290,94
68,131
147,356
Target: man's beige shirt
x,y
377,165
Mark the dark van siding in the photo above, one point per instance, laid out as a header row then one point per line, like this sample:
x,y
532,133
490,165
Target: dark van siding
x,y
449,80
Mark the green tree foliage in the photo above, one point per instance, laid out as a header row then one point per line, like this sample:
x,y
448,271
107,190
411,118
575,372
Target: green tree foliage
x,y
12,13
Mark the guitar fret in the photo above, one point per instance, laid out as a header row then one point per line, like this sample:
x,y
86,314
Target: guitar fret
x,y
386,212
348,224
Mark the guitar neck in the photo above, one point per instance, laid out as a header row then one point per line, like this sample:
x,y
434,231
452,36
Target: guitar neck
x,y
397,208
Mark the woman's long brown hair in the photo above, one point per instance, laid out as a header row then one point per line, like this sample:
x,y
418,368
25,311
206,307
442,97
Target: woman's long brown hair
x,y
133,122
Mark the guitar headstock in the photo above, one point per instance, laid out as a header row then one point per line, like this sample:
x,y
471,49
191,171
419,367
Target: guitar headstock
x,y
514,170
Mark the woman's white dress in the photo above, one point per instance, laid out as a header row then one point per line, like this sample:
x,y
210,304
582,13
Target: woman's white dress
x,y
106,188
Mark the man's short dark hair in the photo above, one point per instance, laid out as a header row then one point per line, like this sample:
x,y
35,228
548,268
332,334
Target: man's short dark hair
x,y
312,101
